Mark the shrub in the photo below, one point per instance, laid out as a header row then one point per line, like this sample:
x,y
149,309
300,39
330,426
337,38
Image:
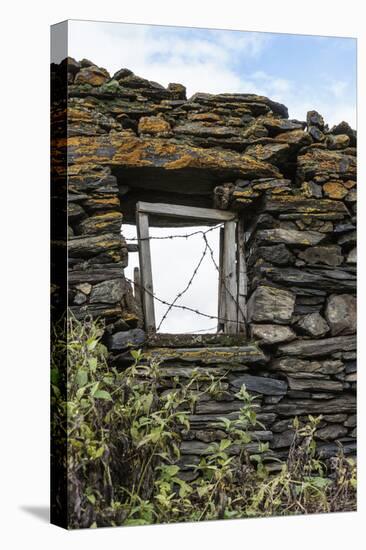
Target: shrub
x,y
123,439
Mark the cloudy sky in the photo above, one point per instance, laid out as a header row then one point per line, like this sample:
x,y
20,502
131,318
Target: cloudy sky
x,y
303,72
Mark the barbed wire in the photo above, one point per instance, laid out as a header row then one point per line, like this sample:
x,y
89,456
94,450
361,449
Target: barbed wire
x,y
228,275
184,236
180,294
178,306
173,304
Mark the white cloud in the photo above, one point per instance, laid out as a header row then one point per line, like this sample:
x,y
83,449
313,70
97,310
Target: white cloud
x,y
204,61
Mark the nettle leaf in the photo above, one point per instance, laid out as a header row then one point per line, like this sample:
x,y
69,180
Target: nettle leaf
x,y
91,343
136,354
93,363
81,378
171,470
94,388
102,394
224,444
99,452
80,393
319,482
91,499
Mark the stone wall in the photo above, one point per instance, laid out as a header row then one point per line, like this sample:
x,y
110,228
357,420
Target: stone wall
x,y
294,184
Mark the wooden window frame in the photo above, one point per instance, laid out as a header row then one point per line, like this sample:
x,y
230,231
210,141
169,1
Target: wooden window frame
x,y
232,295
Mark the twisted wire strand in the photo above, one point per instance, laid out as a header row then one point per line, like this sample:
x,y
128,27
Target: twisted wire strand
x,y
177,306
180,294
185,236
173,304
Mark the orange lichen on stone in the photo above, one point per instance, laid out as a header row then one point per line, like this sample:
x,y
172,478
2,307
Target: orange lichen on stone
x,y
125,149
153,125
211,117
95,76
334,190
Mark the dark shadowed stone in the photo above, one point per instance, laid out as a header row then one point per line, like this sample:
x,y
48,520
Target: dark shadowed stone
x,y
313,118
277,254
336,418
260,384
341,314
108,292
290,236
351,421
312,189
282,425
129,339
331,432
178,90
283,439
95,275
329,255
79,298
311,384
271,304
327,450
345,129
272,334
75,211
348,239
329,279
314,348
316,134
313,325
289,407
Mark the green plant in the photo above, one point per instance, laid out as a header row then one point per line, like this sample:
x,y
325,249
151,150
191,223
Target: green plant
x,y
123,431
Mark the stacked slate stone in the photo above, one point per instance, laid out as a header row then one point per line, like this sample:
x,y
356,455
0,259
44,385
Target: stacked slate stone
x,y
294,184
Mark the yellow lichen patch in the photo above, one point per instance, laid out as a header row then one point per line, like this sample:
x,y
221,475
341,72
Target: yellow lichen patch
x,y
153,125
79,115
211,117
94,76
334,190
125,149
246,193
112,201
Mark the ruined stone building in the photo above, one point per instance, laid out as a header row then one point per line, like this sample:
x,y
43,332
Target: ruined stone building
x,y
286,190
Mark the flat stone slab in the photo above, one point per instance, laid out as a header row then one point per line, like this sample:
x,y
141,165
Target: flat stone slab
x,y
314,348
260,384
194,340
124,149
210,355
